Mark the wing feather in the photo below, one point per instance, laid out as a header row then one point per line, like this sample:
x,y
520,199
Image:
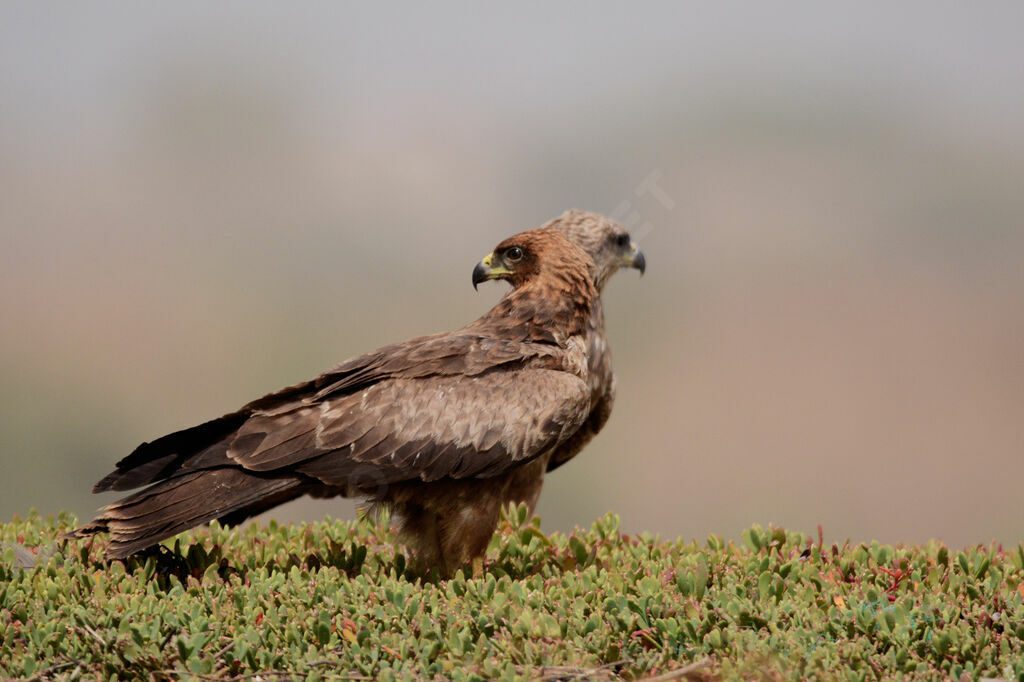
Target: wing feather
x,y
472,434
267,442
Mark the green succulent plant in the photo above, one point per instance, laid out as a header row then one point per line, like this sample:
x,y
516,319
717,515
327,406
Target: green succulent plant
x,y
335,600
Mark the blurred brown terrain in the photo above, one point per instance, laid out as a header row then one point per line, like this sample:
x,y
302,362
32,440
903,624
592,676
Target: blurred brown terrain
x,y
196,210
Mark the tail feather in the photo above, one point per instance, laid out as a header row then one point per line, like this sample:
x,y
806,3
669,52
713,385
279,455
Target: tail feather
x,y
186,501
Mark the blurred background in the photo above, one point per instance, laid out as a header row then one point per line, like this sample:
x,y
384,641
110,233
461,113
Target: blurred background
x,y
201,204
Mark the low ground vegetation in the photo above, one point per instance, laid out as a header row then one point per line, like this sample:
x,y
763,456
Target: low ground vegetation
x,y
334,600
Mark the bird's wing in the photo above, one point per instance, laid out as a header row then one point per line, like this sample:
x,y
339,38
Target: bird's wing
x,y
422,428
305,421
592,425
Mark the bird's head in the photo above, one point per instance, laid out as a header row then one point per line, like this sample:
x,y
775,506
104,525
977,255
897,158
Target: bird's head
x,y
606,242
534,255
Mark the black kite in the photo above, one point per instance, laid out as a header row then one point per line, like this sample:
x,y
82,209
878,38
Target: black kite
x,y
440,428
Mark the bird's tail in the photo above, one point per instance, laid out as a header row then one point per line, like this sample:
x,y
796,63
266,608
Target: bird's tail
x,y
185,501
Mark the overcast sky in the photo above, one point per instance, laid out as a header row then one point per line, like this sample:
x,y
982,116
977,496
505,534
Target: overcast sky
x,y
87,60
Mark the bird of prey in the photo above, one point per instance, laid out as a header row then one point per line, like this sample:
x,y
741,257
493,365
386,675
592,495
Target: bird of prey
x,y
439,428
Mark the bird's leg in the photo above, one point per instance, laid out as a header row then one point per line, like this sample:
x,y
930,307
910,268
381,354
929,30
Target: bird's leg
x,y
477,567
441,561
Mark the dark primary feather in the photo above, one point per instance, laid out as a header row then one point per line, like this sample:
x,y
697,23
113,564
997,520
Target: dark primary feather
x,y
403,425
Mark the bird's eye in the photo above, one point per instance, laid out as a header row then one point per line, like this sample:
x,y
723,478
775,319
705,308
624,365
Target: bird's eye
x,y
514,255
622,240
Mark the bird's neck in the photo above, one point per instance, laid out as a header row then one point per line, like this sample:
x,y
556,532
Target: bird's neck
x,y
547,309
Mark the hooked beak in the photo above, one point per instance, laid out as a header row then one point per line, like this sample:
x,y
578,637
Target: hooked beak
x,y
634,258
486,270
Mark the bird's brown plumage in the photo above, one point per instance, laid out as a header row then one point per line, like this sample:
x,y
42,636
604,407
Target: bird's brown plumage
x,y
441,428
